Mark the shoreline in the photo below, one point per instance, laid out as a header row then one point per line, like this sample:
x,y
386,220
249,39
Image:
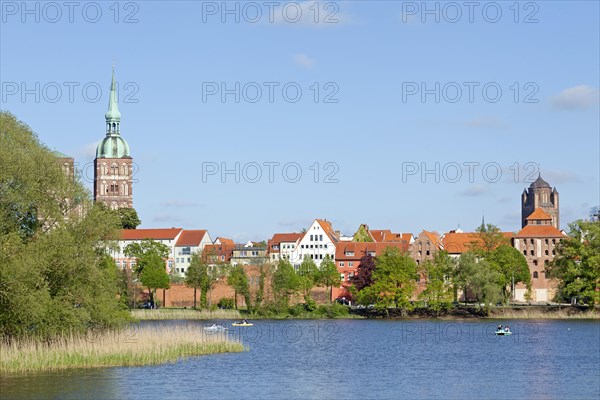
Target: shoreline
x,y
459,313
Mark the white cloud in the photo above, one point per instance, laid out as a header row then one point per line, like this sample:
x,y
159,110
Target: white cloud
x,y
87,151
474,191
579,97
166,218
304,61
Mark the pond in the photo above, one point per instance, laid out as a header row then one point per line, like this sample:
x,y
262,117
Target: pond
x,y
356,359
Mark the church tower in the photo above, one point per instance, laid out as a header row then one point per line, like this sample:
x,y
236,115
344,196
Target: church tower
x,y
540,195
113,164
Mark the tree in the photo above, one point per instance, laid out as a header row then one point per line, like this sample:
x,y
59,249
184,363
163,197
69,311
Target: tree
x,y
328,275
439,291
307,277
577,263
285,282
362,234
478,276
144,248
393,280
238,280
203,277
489,237
56,276
153,274
512,267
128,217
364,273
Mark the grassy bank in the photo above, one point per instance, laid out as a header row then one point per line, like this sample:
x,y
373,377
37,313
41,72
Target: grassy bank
x,y
552,312
178,313
139,346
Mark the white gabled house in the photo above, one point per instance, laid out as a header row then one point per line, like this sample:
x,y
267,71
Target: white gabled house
x,y
318,241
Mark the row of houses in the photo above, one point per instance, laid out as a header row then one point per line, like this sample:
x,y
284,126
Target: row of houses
x,y
537,240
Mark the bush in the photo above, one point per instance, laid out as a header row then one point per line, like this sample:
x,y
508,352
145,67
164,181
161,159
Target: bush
x,y
226,303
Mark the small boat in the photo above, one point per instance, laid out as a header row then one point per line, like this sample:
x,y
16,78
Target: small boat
x,y
215,328
503,332
243,323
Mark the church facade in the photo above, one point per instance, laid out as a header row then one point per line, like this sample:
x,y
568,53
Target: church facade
x,y
113,165
540,195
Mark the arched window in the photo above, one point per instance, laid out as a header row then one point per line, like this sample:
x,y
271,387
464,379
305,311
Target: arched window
x,y
535,263
113,205
535,274
114,169
126,189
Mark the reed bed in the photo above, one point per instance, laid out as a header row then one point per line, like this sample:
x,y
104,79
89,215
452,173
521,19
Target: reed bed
x,y
171,313
562,313
130,347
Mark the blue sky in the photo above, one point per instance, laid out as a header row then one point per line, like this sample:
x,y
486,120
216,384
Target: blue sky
x,y
368,123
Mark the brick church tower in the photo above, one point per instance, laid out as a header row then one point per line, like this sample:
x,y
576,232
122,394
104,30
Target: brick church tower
x,y
540,195
113,164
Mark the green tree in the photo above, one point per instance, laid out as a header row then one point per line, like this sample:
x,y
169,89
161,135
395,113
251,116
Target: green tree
x,y
203,277
394,280
512,267
439,291
577,263
328,275
238,280
307,277
153,274
285,282
145,248
362,234
56,276
128,217
477,276
489,237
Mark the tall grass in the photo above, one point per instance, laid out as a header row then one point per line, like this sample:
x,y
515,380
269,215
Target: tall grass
x,y
140,346
537,313
170,313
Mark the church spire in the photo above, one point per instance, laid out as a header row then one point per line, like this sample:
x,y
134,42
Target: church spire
x,y
113,116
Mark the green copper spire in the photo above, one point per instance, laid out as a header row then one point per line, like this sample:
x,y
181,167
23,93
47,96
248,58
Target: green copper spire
x,y
113,114
113,145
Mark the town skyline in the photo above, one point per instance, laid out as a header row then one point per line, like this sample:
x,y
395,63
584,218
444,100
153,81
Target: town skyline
x,y
179,125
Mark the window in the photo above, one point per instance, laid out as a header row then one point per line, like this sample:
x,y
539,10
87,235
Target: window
x,y
255,253
341,263
546,252
342,276
427,253
372,253
189,259
185,251
531,252
311,238
535,274
321,238
170,263
535,263
349,253
351,264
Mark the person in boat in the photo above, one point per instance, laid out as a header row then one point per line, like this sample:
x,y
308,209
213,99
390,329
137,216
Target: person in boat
x,y
499,327
244,322
506,329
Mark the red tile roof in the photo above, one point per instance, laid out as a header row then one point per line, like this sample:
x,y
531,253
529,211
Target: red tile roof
x,y
462,242
285,237
190,237
539,231
156,234
362,248
434,239
386,235
539,213
326,226
226,241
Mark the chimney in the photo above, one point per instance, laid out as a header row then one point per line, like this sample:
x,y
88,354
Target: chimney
x,y
337,234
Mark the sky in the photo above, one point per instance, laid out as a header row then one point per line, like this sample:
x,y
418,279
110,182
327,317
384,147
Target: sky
x,y
250,118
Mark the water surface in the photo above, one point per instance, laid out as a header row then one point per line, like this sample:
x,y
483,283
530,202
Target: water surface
x,y
356,359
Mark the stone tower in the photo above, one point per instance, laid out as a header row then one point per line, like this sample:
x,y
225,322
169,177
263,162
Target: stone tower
x,y
540,195
113,164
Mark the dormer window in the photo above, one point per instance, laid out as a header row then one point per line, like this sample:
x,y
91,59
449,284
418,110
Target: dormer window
x,y
349,253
